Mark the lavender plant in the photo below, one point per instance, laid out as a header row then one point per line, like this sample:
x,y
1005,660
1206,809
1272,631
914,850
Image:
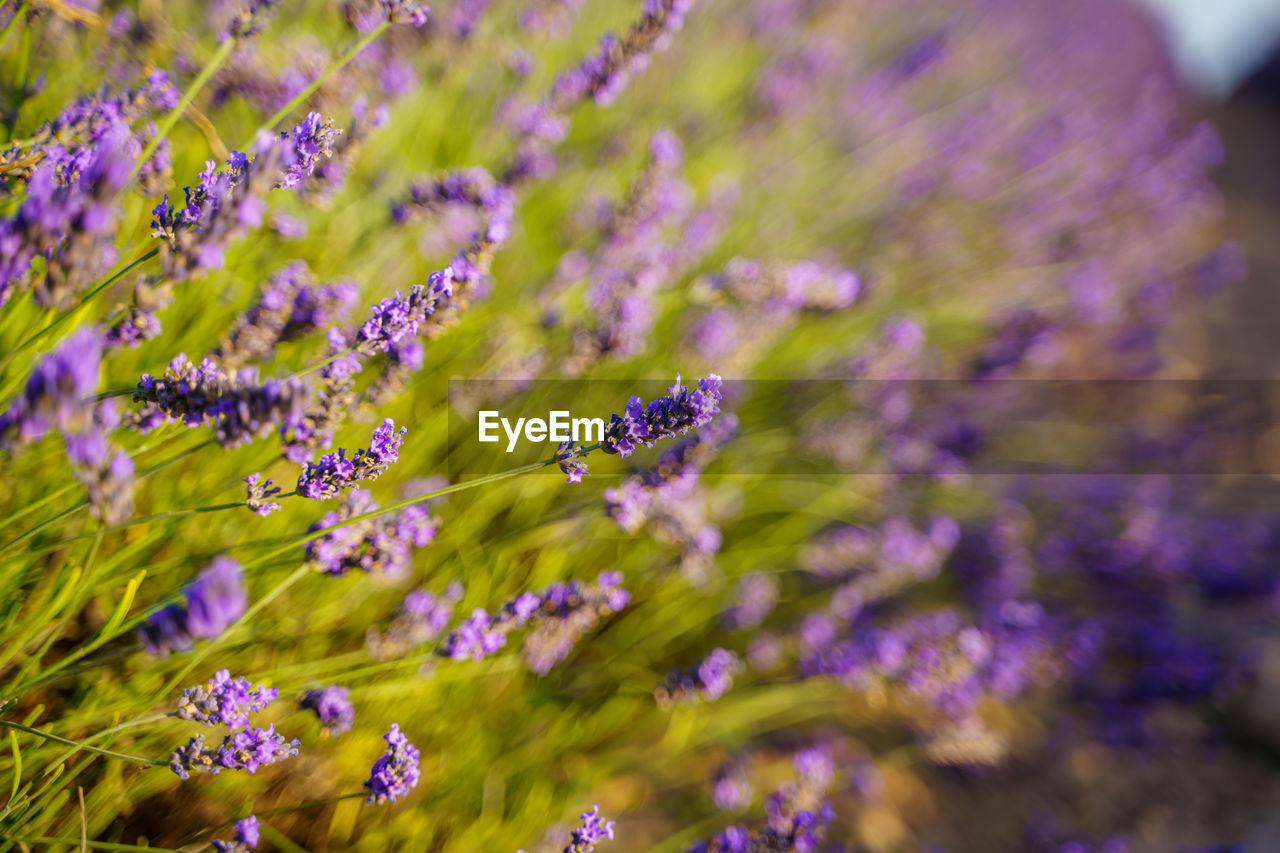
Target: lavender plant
x,y
878,231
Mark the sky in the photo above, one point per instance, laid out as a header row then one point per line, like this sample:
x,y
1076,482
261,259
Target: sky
x,y
1217,43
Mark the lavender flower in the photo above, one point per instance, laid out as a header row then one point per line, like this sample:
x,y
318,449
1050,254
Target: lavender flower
x,y
212,603
395,773
55,393
291,305
105,470
570,463
257,494
677,413
250,748
216,598
711,679
420,618
311,141
247,21
314,429
246,837
556,619
796,816
224,701
226,202
731,790
404,12
383,544
245,749
332,705
591,832
333,472
238,407
66,220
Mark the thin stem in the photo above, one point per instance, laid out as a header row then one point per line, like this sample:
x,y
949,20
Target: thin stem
x,y
307,804
166,124
289,581
81,745
297,99
328,361
203,651
8,29
84,503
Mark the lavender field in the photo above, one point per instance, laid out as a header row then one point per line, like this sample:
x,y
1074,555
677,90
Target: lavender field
x,y
689,426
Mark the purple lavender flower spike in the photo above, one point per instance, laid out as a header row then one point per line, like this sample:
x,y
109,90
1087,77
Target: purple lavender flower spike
x,y
590,832
246,837
332,706
677,413
224,701
216,598
55,394
382,545
258,492
556,619
710,680
334,472
395,773
421,618
251,748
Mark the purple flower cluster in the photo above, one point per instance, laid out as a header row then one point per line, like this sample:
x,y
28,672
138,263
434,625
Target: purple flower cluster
x,y
332,705
246,749
421,618
226,202
259,493
399,317
67,221
592,830
604,74
796,814
648,240
677,413
382,545
709,680
224,701
105,470
758,301
237,405
395,773
473,189
291,305
556,619
214,600
246,837
333,473
229,701
55,393
404,12
669,500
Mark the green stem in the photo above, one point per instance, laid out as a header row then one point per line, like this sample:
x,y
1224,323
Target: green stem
x,y
289,581
81,745
328,361
307,804
315,84
203,651
8,29
166,124
84,503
